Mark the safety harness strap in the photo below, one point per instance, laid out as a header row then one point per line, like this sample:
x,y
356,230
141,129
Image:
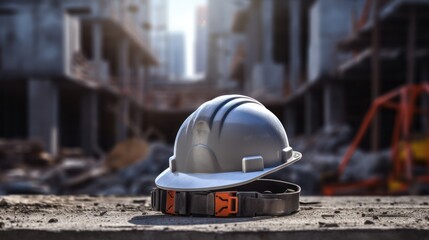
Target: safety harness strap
x,y
258,198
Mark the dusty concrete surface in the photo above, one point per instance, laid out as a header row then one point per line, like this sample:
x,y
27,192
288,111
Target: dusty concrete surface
x,y
84,217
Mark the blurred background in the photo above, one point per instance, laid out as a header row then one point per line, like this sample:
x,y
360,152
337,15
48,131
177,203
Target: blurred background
x,y
92,92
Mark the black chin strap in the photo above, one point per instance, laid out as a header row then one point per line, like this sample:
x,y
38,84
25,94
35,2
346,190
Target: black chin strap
x,y
263,197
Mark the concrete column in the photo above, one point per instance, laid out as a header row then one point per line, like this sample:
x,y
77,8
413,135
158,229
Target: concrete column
x,y
250,41
267,28
311,113
146,80
295,43
333,105
89,122
43,108
267,42
123,64
122,119
97,41
137,122
289,121
141,78
137,78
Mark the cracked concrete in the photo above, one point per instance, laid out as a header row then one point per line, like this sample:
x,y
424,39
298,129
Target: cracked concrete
x,y
84,217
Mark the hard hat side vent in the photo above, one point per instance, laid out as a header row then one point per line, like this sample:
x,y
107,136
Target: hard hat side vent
x,y
172,164
253,164
286,154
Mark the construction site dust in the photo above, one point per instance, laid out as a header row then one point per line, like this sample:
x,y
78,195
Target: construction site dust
x,y
92,93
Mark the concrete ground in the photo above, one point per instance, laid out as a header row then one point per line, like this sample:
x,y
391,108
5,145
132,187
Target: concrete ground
x,y
84,217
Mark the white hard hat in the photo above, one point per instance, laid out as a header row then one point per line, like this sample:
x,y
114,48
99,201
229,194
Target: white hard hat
x,y
228,141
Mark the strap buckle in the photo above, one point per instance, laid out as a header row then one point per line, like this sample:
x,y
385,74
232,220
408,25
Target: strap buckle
x,y
226,204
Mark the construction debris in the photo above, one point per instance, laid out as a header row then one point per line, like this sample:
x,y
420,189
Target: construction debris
x,y
322,152
129,168
19,152
126,153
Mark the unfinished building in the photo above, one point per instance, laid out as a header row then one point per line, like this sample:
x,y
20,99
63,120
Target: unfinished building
x,y
320,60
73,73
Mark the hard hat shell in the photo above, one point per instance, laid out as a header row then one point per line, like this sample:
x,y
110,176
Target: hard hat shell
x,y
228,141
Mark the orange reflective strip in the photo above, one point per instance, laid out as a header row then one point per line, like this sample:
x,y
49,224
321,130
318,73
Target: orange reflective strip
x,y
169,205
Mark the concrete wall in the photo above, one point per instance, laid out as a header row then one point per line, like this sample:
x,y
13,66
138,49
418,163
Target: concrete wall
x,y
324,57
159,37
263,75
39,37
201,39
221,40
31,38
176,55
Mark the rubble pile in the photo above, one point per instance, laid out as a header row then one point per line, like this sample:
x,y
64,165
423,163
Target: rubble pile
x,y
20,152
322,153
129,169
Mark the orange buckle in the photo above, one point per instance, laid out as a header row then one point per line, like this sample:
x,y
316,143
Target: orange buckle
x,y
226,204
169,205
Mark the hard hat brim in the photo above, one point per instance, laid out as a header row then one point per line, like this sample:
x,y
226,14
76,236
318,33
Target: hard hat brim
x,y
179,181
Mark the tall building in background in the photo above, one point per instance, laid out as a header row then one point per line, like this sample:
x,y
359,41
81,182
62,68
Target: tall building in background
x,y
159,37
221,40
201,40
176,55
